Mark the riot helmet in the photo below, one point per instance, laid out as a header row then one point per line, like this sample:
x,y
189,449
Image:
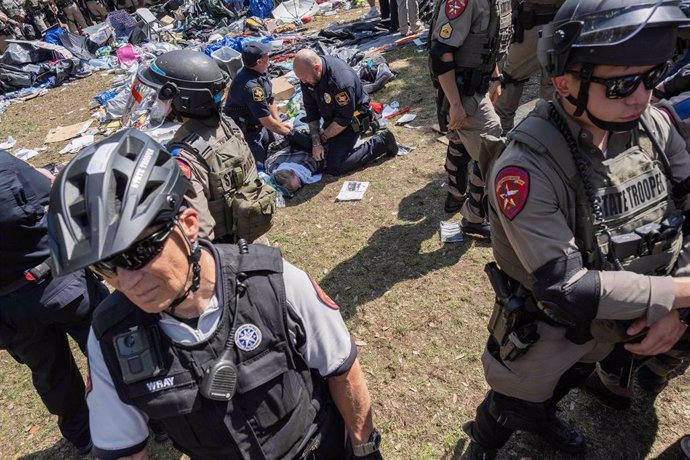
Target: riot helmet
x,y
108,195
611,32
182,82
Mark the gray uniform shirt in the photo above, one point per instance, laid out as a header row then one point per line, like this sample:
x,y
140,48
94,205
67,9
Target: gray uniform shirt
x,y
315,326
541,231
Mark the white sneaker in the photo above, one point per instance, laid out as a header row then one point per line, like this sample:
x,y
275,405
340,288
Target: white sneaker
x,y
372,13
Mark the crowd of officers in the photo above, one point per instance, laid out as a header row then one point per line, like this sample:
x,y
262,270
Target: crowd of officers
x,y
238,354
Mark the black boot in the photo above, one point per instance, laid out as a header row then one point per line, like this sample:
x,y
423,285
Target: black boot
x,y
651,382
482,229
453,204
608,398
390,143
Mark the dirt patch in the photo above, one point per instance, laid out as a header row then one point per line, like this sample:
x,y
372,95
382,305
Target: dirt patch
x,y
29,122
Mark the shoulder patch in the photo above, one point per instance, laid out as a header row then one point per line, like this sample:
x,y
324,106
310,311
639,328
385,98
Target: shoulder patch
x,y
512,188
323,297
454,8
258,94
342,98
185,167
446,30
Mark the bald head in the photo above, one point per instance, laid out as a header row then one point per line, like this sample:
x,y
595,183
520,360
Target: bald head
x,y
307,66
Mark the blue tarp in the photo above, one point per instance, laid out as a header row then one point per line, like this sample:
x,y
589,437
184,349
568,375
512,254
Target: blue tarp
x,y
261,8
236,43
52,34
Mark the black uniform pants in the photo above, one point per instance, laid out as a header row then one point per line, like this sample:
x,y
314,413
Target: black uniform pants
x,y
342,156
34,323
389,10
258,142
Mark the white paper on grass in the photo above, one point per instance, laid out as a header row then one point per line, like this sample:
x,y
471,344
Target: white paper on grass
x,y
25,154
406,118
451,232
9,143
352,191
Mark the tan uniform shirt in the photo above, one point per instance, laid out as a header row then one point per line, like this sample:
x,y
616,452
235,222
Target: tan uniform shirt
x,y
198,197
541,230
457,18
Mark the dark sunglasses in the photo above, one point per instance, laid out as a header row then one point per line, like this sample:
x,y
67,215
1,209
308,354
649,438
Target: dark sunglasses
x,y
137,256
620,87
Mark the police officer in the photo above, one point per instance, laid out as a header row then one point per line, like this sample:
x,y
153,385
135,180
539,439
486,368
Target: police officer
x,y
467,40
521,61
37,310
332,91
9,29
251,103
187,86
586,207
72,15
36,11
236,352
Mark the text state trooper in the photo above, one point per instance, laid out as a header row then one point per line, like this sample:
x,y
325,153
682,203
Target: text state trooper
x,y
332,91
252,105
586,206
468,37
236,352
37,310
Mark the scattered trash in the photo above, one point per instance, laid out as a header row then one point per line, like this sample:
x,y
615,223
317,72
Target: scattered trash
x,y
451,232
404,149
406,118
78,144
25,154
9,143
352,191
64,133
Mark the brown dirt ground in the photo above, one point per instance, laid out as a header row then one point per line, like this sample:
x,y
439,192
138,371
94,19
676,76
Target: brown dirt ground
x,y
417,309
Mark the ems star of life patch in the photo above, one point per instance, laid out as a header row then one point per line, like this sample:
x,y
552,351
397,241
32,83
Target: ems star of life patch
x,y
247,337
258,94
446,30
323,297
454,8
512,188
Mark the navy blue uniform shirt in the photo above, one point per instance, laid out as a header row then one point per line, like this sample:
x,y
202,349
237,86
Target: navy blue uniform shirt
x,y
336,96
250,95
24,194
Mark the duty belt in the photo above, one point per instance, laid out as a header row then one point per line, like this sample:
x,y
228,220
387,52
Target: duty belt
x,y
37,275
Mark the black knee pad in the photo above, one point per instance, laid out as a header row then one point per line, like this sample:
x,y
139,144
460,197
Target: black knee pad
x,y
517,414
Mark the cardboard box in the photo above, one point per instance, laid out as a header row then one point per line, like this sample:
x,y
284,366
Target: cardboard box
x,y
282,89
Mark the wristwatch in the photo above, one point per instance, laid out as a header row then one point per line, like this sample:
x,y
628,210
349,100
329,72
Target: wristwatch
x,y
498,78
369,447
684,315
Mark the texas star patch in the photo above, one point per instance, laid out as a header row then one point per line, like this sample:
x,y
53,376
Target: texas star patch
x,y
454,8
323,297
512,188
327,98
185,168
342,98
258,94
446,30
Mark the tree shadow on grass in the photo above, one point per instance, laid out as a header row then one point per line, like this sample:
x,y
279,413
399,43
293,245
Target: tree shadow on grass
x,y
395,254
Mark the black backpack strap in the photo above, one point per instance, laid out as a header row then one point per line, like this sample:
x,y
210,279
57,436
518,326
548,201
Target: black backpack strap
x,y
113,310
194,144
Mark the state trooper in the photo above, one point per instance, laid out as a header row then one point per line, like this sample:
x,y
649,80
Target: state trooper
x,y
38,310
72,14
35,10
252,105
467,40
587,204
333,92
232,200
236,352
521,61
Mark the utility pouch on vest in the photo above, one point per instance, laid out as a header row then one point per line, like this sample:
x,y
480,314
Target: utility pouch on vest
x,y
512,326
252,211
362,120
138,352
473,81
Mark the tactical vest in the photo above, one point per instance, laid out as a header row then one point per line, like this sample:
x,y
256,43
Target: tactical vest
x,y
11,8
241,203
278,405
634,194
481,50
